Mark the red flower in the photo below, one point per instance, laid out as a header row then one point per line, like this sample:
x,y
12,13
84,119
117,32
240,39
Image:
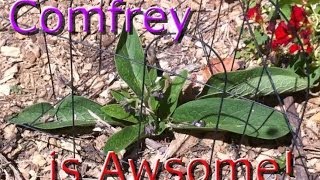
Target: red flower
x,y
282,31
255,13
294,48
305,34
298,17
282,35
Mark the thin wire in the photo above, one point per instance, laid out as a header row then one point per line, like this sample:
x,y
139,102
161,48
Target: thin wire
x,y
141,116
198,18
100,43
216,25
211,71
48,58
72,90
237,46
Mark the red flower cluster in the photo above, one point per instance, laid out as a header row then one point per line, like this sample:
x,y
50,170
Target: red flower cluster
x,y
284,33
255,13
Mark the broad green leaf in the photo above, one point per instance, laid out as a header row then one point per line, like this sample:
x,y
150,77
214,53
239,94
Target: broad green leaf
x,y
315,76
120,95
86,113
129,60
286,10
153,103
31,114
118,112
125,137
245,83
263,122
172,94
153,76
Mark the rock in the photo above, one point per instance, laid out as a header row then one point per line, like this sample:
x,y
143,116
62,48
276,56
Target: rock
x,y
9,51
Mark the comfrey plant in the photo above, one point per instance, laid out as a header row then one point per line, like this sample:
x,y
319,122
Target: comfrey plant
x,y
150,105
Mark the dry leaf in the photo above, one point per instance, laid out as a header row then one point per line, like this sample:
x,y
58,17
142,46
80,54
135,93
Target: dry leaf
x,y
9,74
10,132
217,67
4,90
10,51
316,117
187,145
181,144
38,160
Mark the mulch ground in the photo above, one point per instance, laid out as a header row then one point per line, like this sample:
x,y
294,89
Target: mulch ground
x,y
25,80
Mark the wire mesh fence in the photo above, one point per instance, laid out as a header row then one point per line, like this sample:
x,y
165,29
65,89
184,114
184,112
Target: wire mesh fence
x,y
196,34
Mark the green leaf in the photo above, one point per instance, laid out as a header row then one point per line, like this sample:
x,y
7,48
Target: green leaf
x,y
153,103
291,2
44,116
122,139
261,38
118,112
31,114
172,94
120,95
286,9
281,161
153,76
315,76
245,82
162,128
129,60
263,122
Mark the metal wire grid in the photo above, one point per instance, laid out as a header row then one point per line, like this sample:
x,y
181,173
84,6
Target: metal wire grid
x,y
197,36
